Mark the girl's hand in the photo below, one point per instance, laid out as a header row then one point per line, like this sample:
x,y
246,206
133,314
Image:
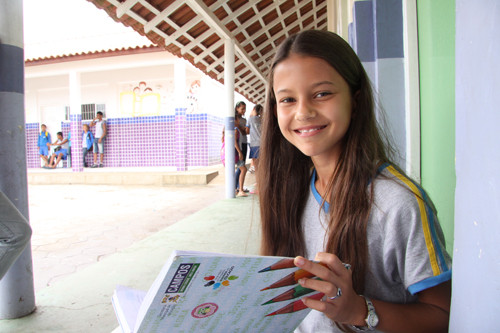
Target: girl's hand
x,y
349,308
240,156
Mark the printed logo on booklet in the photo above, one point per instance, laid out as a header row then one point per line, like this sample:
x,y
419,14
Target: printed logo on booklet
x,y
204,310
223,278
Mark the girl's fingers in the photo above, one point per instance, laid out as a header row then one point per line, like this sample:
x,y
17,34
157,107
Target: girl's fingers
x,y
315,304
333,270
327,288
334,263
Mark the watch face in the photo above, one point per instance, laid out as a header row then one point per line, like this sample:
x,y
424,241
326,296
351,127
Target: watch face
x,y
372,320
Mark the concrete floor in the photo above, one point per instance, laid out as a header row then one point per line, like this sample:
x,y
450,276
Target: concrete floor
x,y
87,239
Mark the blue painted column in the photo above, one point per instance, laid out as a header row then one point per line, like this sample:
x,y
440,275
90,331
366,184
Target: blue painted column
x,y
181,139
377,37
76,122
17,296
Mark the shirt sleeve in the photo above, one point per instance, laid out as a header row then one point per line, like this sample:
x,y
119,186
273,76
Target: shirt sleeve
x,y
414,238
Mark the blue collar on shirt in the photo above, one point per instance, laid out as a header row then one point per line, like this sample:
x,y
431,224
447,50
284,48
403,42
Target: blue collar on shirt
x,y
317,196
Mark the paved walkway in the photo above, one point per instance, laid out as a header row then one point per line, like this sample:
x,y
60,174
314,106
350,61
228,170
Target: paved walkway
x,y
88,239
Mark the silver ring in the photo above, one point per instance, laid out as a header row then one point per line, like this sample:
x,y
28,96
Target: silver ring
x,y
339,293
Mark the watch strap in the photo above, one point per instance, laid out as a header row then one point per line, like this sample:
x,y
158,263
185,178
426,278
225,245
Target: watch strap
x,y
370,315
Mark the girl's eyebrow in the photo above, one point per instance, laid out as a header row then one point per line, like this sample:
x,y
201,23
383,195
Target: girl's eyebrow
x,y
314,85
322,83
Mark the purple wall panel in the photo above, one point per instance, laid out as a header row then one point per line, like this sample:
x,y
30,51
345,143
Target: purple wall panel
x,y
149,141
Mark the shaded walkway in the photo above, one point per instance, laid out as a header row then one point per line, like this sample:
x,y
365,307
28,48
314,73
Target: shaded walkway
x,y
82,301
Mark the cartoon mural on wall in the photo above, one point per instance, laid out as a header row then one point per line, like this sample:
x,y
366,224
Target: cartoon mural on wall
x,y
140,101
152,100
193,97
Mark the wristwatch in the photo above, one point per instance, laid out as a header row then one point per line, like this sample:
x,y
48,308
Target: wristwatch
x,y
371,319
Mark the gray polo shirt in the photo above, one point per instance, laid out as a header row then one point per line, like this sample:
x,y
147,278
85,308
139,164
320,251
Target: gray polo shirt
x,y
405,244
255,123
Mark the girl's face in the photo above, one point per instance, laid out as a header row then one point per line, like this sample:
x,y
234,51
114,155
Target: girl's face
x,y
313,106
242,109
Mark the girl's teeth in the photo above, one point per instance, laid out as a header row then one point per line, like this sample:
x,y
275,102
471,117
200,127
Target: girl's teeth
x,y
309,130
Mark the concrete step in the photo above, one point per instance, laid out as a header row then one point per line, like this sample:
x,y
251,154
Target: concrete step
x,y
122,176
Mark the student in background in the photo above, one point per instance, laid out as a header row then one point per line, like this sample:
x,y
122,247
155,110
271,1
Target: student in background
x,y
60,151
87,142
100,134
240,164
240,110
44,141
255,124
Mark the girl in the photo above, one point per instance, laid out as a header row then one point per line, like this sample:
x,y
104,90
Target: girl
x,y
255,132
240,164
330,192
239,111
239,160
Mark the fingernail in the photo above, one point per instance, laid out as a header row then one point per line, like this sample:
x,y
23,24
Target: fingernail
x,y
302,281
300,261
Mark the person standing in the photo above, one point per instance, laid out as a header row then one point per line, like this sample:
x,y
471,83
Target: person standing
x,y
242,126
100,133
43,141
87,142
255,124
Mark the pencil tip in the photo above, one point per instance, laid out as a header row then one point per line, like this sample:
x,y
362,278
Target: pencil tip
x,y
266,288
265,270
268,302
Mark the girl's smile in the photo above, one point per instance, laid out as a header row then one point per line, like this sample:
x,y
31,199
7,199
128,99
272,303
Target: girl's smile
x,y
309,130
313,106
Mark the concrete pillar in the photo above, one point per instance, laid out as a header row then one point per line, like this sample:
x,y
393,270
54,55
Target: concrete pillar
x,y
180,115
17,296
339,15
76,121
229,120
476,267
180,139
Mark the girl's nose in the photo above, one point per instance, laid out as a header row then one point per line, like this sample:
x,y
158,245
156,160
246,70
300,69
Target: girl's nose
x,y
304,111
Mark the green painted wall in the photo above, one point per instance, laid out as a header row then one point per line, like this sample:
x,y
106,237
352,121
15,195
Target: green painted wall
x,y
436,37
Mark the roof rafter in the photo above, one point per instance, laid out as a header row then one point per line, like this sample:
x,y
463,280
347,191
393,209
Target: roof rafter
x,y
204,11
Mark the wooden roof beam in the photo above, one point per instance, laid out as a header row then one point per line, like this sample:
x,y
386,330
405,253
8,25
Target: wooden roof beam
x,y
124,7
210,18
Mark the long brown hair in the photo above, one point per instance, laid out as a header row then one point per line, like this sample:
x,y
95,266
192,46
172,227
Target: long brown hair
x,y
284,172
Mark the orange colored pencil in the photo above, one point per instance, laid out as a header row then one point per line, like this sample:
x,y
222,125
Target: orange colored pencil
x,y
291,278
295,306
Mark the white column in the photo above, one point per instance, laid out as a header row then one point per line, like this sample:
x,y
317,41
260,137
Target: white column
x,y
75,102
180,83
412,89
229,120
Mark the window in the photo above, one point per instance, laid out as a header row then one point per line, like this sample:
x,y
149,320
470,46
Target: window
x,y
102,108
66,113
89,111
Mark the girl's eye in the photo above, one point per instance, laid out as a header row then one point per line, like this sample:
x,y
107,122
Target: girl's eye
x,y
323,94
287,100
